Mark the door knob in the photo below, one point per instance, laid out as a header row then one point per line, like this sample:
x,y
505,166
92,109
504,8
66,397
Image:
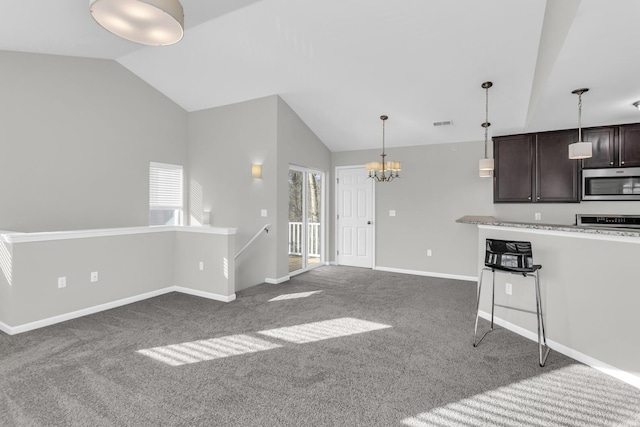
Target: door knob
x,y
368,222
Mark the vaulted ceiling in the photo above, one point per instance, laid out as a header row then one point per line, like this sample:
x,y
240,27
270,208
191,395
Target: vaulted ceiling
x,y
340,64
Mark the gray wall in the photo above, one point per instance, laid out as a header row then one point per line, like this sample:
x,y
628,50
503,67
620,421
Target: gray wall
x,y
223,144
216,253
297,145
438,184
127,266
77,137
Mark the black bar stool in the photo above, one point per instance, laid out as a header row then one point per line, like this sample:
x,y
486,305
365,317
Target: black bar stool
x,y
514,258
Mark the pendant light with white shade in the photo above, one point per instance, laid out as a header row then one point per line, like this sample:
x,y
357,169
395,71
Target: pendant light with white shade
x,y
148,22
485,166
580,150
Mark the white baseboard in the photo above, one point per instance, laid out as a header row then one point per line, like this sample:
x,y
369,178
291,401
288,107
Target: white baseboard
x,y
567,351
426,273
203,294
12,330
278,280
6,328
332,263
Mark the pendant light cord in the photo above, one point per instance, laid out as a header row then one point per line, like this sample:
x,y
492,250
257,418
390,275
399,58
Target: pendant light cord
x,y
580,117
486,120
383,137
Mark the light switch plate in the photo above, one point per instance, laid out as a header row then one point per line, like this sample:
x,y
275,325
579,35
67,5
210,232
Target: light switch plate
x,y
62,282
392,212
263,212
94,276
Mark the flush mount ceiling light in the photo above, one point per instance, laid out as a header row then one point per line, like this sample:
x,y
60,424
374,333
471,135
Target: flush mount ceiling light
x,y
383,171
485,166
149,22
580,150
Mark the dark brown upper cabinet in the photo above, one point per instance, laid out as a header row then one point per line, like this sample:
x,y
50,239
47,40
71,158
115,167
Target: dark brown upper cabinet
x,y
629,146
513,173
605,150
613,146
557,176
535,168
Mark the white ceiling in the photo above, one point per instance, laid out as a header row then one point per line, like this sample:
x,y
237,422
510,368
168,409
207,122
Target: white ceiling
x,y
340,64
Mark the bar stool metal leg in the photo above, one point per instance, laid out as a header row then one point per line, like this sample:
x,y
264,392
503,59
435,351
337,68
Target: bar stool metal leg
x,y
475,332
493,296
543,348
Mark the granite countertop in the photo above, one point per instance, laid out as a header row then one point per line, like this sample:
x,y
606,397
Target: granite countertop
x,y
489,220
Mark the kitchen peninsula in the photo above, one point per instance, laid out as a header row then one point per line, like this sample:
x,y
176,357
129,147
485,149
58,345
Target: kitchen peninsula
x,y
590,291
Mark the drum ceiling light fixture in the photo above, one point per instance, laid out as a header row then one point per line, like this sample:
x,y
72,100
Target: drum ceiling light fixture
x,y
148,22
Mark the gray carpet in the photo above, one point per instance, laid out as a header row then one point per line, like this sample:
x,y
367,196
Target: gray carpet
x,y
418,368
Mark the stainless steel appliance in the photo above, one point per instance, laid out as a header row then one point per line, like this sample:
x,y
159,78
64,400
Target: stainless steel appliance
x,y
611,184
614,221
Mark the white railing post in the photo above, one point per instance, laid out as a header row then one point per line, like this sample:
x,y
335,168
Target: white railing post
x,y
313,238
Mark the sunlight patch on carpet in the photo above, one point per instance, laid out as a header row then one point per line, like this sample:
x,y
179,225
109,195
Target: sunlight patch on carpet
x,y
293,296
316,331
199,351
575,395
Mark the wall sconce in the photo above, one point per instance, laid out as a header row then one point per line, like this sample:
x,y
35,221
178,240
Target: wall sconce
x,y
256,171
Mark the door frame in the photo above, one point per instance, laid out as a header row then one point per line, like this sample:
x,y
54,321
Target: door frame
x,y
337,220
323,219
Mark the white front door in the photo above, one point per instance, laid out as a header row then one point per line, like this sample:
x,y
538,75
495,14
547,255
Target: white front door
x,y
355,217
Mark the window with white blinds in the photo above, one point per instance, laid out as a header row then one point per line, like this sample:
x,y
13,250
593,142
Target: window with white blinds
x,y
165,194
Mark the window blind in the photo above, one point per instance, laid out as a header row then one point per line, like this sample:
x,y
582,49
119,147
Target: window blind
x,y
165,186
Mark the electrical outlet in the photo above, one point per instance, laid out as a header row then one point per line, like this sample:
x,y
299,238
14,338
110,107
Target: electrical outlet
x,y
509,289
201,266
538,216
263,213
62,282
94,276
429,253
392,212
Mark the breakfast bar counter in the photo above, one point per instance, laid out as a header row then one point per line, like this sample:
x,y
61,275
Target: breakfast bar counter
x,y
600,231
590,285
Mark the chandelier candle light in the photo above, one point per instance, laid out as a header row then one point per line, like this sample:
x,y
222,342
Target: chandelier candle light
x,y
383,171
580,150
149,22
485,165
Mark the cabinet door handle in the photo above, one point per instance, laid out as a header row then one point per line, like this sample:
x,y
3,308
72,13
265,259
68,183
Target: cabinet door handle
x,y
538,198
622,162
610,163
529,198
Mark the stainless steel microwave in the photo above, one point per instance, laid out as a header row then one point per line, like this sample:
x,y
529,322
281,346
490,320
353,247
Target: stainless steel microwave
x,y
611,184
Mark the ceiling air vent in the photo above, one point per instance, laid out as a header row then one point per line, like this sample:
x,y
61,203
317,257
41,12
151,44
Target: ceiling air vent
x,y
444,123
